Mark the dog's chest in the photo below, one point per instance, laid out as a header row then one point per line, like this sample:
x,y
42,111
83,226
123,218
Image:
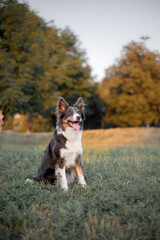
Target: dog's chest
x,y
72,150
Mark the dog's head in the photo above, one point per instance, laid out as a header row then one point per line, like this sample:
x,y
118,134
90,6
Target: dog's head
x,y
70,116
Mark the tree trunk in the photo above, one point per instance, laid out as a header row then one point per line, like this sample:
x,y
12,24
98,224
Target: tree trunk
x,y
102,123
30,123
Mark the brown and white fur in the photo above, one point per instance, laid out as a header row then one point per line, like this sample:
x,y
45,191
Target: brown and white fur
x,y
63,153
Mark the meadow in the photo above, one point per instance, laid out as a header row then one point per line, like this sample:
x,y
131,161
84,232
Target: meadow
x,y
121,201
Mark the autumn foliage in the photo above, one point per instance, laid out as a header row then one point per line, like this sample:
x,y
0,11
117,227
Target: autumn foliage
x,y
131,88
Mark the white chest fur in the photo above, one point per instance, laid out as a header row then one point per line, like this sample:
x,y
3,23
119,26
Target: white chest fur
x,y
73,146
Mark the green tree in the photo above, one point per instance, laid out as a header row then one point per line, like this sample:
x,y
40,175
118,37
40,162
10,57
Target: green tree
x,y
131,88
95,110
20,41
38,63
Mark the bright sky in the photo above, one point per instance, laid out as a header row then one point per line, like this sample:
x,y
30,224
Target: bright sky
x,y
104,26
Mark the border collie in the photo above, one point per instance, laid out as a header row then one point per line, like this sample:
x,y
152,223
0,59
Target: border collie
x,y
63,153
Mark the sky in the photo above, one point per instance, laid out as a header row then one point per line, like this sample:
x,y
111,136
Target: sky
x,y
104,27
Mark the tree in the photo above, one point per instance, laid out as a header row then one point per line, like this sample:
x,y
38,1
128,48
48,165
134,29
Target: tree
x,y
38,63
95,110
20,39
131,88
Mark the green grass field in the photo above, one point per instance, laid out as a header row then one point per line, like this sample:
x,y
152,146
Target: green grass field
x,y
121,201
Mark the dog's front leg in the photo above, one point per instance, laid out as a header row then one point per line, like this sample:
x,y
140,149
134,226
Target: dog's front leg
x,y
62,170
79,172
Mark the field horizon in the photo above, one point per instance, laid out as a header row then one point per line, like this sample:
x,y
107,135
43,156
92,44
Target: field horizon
x,y
92,139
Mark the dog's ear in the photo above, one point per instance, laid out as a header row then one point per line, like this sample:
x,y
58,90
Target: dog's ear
x,y
80,104
62,105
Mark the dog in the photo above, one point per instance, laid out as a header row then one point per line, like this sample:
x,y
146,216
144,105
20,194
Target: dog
x,y
64,152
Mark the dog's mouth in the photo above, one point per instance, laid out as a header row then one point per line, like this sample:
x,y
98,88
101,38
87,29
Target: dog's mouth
x,y
75,125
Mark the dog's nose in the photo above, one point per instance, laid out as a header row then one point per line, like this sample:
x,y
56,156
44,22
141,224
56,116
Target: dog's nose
x,y
78,118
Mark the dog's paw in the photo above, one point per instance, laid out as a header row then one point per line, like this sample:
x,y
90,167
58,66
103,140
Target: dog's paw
x,y
28,180
83,185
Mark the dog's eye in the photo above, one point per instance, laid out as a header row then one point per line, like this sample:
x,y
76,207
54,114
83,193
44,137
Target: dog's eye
x,y
69,112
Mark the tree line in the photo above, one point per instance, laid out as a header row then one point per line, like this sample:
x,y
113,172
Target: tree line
x,y
40,62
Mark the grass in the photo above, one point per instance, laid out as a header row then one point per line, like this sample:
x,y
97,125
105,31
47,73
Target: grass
x,y
121,201
92,139
102,138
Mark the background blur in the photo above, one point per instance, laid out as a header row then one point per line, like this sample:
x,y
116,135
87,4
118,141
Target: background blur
x,y
40,61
